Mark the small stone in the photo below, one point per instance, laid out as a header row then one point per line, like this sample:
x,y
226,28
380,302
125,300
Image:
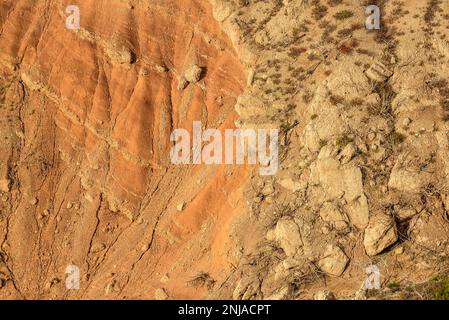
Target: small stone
x,y
325,230
270,236
362,147
5,185
347,153
378,72
143,72
406,122
5,198
371,136
219,101
405,213
182,83
165,278
34,201
160,294
98,247
291,185
399,250
324,295
193,74
161,69
180,207
267,189
69,205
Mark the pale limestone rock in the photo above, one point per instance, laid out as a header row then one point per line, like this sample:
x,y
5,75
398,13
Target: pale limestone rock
x,y
4,185
341,181
378,72
406,122
193,74
330,213
288,235
249,106
407,179
165,278
221,10
426,231
405,213
348,81
347,153
182,83
180,206
324,295
119,53
270,236
380,234
160,294
160,68
267,189
291,185
334,261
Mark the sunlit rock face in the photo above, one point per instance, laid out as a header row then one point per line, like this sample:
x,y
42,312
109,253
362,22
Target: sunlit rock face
x,y
86,172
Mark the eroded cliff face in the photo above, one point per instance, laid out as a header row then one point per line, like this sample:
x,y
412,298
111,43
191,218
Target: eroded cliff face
x,y
85,170
86,117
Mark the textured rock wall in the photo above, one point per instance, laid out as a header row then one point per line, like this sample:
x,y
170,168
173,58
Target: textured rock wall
x,y
85,172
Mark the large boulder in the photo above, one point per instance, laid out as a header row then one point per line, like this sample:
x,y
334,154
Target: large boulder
x,y
407,177
343,181
380,234
288,235
334,261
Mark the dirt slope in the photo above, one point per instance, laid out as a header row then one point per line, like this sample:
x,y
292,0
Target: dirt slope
x,y
85,161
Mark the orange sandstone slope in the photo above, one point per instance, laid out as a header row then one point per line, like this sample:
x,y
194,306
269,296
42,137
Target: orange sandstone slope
x,y
86,121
